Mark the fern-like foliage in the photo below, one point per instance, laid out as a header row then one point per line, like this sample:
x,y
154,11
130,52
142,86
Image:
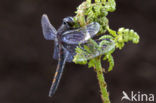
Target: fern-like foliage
x,y
124,35
91,52
89,12
97,11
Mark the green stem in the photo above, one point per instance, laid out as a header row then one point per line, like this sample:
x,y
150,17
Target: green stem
x,y
101,80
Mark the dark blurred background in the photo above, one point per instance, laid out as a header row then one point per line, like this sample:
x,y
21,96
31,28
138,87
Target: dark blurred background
x,y
27,66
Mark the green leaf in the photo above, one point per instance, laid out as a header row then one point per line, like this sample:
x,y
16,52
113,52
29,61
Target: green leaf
x,y
79,57
110,5
126,35
106,37
91,63
110,59
112,32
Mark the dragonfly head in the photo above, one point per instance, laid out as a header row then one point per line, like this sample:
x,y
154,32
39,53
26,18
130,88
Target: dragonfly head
x,y
68,21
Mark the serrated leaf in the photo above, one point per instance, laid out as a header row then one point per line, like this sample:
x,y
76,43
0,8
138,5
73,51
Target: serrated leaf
x,y
91,63
110,60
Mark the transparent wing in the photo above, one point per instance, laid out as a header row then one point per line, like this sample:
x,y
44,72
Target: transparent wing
x,y
81,35
49,32
71,50
56,51
110,45
94,51
68,48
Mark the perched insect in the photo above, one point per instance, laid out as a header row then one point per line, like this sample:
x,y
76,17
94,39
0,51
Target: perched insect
x,y
66,40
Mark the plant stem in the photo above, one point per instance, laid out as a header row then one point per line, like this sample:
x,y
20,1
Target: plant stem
x,y
101,80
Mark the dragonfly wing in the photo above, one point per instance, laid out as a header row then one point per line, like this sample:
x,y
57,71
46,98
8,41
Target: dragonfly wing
x,y
81,35
73,37
68,48
94,52
70,57
49,32
71,50
56,51
93,28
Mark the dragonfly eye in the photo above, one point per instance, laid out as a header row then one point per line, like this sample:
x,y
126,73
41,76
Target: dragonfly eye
x,y
65,23
68,21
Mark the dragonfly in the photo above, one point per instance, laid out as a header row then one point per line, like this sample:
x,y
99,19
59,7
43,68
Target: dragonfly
x,y
66,39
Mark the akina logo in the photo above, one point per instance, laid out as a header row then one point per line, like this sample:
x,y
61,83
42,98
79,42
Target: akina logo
x,y
138,97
